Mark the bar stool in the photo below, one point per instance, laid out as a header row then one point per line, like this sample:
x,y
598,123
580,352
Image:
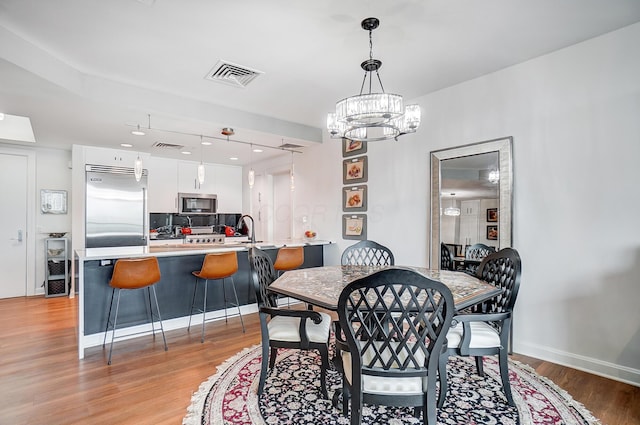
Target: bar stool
x,y
288,258
215,267
134,273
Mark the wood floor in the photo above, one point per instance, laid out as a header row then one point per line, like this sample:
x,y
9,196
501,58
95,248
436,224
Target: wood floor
x,y
43,382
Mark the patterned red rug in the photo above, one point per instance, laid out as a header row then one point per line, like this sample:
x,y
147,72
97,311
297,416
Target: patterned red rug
x,y
292,396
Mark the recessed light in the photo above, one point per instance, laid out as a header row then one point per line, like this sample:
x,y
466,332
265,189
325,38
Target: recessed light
x,y
205,143
137,131
126,145
185,153
257,150
233,158
1,116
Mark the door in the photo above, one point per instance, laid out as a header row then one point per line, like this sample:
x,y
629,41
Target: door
x,y
13,215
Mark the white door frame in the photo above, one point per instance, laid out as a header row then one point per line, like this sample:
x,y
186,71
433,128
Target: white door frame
x,y
30,238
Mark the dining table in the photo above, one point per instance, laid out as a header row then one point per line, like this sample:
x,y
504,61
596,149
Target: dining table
x,y
321,286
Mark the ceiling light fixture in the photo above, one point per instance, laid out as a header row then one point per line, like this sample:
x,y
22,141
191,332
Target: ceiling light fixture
x,y
291,175
138,131
372,116
452,211
251,177
201,165
137,168
494,176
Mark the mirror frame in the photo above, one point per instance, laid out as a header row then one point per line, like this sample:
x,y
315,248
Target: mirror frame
x,y
504,148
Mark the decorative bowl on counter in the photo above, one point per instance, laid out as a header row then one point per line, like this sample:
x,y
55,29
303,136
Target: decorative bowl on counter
x,y
55,251
310,235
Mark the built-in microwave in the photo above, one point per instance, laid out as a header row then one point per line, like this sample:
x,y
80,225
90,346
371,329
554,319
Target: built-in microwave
x,y
197,203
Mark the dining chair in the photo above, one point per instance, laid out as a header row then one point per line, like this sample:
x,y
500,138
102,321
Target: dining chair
x,y
367,253
130,274
484,329
446,258
392,327
476,252
285,328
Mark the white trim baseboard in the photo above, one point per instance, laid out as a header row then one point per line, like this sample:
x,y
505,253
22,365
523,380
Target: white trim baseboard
x,y
598,367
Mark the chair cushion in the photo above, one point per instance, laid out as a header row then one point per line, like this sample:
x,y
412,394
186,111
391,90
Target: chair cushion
x,y
483,335
383,385
283,328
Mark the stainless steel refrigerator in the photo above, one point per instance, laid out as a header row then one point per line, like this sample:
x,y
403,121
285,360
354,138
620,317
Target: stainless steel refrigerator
x,y
116,207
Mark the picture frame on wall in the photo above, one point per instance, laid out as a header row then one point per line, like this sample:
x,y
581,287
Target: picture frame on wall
x,y
354,226
492,233
353,147
354,198
492,215
354,170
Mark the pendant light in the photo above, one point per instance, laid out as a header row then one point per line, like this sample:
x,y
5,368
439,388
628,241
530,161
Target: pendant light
x,y
291,174
372,116
251,177
201,166
452,211
137,168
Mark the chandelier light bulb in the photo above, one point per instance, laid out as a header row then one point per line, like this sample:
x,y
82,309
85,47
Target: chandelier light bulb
x,y
251,178
201,173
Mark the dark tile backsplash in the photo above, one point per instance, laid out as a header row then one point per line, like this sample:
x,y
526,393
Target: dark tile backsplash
x,y
166,223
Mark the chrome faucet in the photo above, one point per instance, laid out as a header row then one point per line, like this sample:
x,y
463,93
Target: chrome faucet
x,y
253,227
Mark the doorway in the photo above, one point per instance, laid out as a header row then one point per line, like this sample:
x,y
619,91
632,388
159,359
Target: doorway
x,y
17,186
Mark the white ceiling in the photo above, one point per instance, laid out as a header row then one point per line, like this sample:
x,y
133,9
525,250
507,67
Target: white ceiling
x,y
87,71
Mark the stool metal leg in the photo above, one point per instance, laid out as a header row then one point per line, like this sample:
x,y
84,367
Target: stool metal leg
x,y
113,334
164,339
233,285
224,297
153,329
106,328
193,302
204,308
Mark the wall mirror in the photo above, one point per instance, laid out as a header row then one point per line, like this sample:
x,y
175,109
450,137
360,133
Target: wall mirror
x,y
471,197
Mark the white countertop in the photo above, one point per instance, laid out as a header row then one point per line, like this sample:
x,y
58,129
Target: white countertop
x,y
171,248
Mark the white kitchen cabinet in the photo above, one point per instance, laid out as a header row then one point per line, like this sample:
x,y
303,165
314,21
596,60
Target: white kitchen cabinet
x,y
163,185
228,187
469,222
188,178
113,157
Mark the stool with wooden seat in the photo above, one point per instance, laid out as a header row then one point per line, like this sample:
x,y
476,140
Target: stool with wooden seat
x,y
134,273
288,258
218,266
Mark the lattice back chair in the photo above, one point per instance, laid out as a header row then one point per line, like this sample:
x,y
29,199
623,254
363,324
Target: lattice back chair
x,y
367,253
485,330
285,328
476,252
393,327
446,258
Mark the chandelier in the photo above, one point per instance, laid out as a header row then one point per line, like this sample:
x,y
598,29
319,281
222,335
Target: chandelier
x,y
372,116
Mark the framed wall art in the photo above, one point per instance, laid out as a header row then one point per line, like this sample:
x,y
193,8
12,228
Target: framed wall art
x,y
354,198
353,147
53,201
492,215
492,233
354,170
354,226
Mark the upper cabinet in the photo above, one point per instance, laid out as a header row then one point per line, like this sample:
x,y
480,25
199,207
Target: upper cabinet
x,y
163,185
167,177
113,157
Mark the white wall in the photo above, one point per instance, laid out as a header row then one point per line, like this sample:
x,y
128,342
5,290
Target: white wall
x,y
575,119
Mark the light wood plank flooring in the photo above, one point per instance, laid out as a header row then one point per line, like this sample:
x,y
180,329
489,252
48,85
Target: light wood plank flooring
x,y
43,382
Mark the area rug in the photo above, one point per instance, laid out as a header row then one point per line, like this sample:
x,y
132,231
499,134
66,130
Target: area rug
x,y
292,396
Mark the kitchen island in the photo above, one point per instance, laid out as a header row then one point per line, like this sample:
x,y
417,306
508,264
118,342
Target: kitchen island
x,y
94,267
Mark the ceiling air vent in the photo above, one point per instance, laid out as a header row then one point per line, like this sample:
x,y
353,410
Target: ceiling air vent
x,y
290,146
232,74
161,145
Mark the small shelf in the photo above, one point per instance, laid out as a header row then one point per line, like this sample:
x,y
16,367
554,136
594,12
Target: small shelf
x,y
56,253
